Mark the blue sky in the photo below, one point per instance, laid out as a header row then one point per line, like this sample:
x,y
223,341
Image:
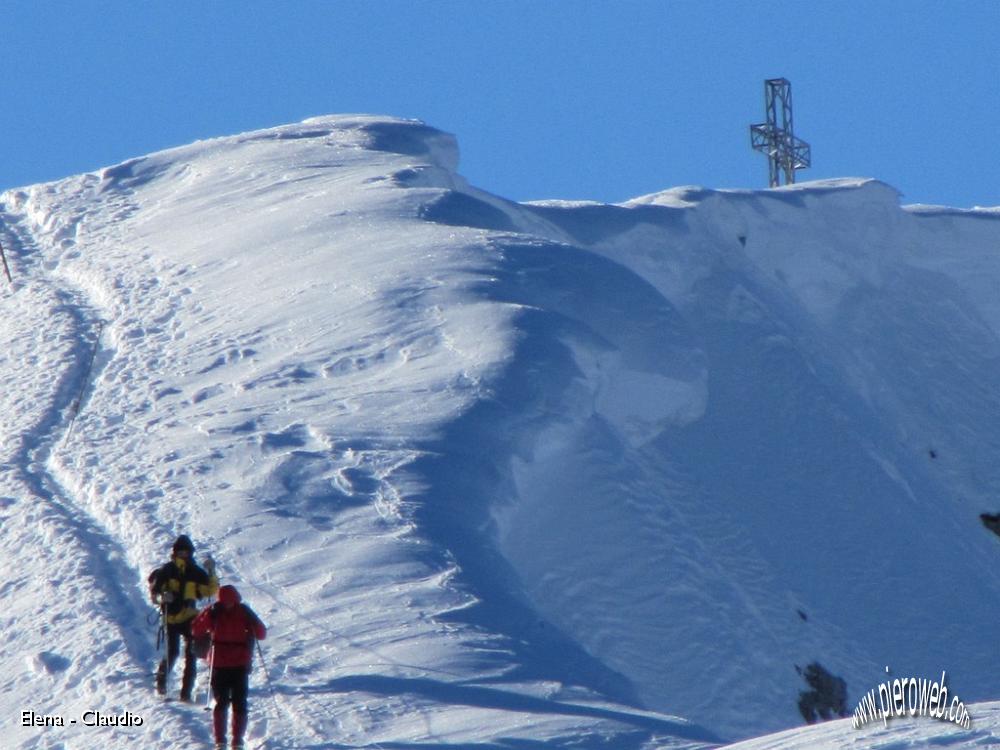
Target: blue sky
x,y
549,98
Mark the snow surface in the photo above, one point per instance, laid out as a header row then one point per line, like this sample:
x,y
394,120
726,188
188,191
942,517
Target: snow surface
x,y
495,475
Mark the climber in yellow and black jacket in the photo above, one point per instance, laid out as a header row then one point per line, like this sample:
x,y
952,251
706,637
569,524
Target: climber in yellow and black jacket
x,y
176,587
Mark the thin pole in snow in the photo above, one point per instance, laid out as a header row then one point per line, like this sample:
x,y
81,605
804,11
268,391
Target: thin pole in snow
x,y
75,406
6,268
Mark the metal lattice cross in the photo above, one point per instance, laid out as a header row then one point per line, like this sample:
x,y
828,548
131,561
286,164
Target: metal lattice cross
x,y
785,153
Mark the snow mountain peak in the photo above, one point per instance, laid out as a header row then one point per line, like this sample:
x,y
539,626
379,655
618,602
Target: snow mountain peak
x,y
553,474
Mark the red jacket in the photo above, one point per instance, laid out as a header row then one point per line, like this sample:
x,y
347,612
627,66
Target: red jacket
x,y
233,631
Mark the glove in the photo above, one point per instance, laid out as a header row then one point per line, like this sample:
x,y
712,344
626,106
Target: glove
x,y
166,597
209,564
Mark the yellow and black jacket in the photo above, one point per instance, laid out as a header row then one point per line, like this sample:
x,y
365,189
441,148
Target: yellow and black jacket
x,y
178,585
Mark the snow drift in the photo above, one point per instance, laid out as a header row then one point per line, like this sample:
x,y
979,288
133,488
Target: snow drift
x,y
494,474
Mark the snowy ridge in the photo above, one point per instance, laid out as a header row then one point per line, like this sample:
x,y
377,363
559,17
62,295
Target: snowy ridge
x,y
282,335
494,474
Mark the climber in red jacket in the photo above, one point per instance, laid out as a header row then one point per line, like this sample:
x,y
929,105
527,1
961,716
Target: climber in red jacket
x,y
234,628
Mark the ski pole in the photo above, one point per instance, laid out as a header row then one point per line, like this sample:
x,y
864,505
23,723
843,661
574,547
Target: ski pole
x,y
211,674
161,631
267,678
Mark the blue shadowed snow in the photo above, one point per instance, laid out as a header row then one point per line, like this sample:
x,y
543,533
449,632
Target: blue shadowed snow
x,y
495,475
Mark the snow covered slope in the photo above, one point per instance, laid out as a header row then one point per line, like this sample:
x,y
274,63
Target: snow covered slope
x,y
496,475
894,734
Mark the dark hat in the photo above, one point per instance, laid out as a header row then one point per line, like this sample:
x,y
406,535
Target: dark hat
x,y
183,542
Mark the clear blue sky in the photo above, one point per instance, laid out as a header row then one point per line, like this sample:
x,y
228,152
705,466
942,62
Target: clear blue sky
x,y
603,100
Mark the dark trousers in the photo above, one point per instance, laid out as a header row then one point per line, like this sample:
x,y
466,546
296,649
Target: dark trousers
x,y
174,634
230,686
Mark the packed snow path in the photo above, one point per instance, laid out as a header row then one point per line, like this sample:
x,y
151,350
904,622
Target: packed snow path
x,y
495,475
218,340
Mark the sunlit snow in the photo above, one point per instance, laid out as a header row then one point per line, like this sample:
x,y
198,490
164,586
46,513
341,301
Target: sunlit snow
x,y
495,475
